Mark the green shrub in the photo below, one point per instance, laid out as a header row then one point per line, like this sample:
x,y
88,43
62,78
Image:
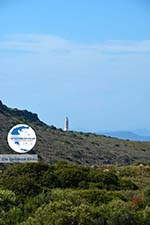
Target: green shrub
x,y
108,180
119,213
127,184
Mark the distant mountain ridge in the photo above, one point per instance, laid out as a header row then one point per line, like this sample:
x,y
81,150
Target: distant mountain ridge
x,y
75,147
125,135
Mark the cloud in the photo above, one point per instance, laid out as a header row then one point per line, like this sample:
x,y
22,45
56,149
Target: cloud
x,y
48,44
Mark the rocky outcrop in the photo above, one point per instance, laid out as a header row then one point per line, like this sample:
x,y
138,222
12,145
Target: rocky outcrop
x,y
24,114
3,107
32,117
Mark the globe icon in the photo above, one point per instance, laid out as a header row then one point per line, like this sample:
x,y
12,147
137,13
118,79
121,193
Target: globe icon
x,y
21,138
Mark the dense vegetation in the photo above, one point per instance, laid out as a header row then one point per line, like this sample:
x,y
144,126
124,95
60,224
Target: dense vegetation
x,y
67,194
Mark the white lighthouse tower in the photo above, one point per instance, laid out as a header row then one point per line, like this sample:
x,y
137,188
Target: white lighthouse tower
x,y
66,124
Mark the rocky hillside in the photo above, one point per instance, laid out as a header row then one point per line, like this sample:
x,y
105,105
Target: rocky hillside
x,y
82,148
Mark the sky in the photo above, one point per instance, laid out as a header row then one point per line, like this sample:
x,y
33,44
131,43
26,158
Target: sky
x,y
88,60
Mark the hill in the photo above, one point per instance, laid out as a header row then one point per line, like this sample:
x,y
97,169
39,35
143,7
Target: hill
x,y
75,147
126,135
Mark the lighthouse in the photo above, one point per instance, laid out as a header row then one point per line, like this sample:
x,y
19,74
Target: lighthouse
x,y
66,124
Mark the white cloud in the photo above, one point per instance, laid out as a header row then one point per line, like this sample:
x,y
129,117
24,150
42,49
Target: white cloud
x,y
48,44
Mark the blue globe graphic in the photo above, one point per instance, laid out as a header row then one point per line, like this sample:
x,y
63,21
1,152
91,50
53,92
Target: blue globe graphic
x,y
21,138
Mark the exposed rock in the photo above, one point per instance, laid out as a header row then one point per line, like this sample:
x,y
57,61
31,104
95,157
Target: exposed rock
x,y
26,115
33,117
2,106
